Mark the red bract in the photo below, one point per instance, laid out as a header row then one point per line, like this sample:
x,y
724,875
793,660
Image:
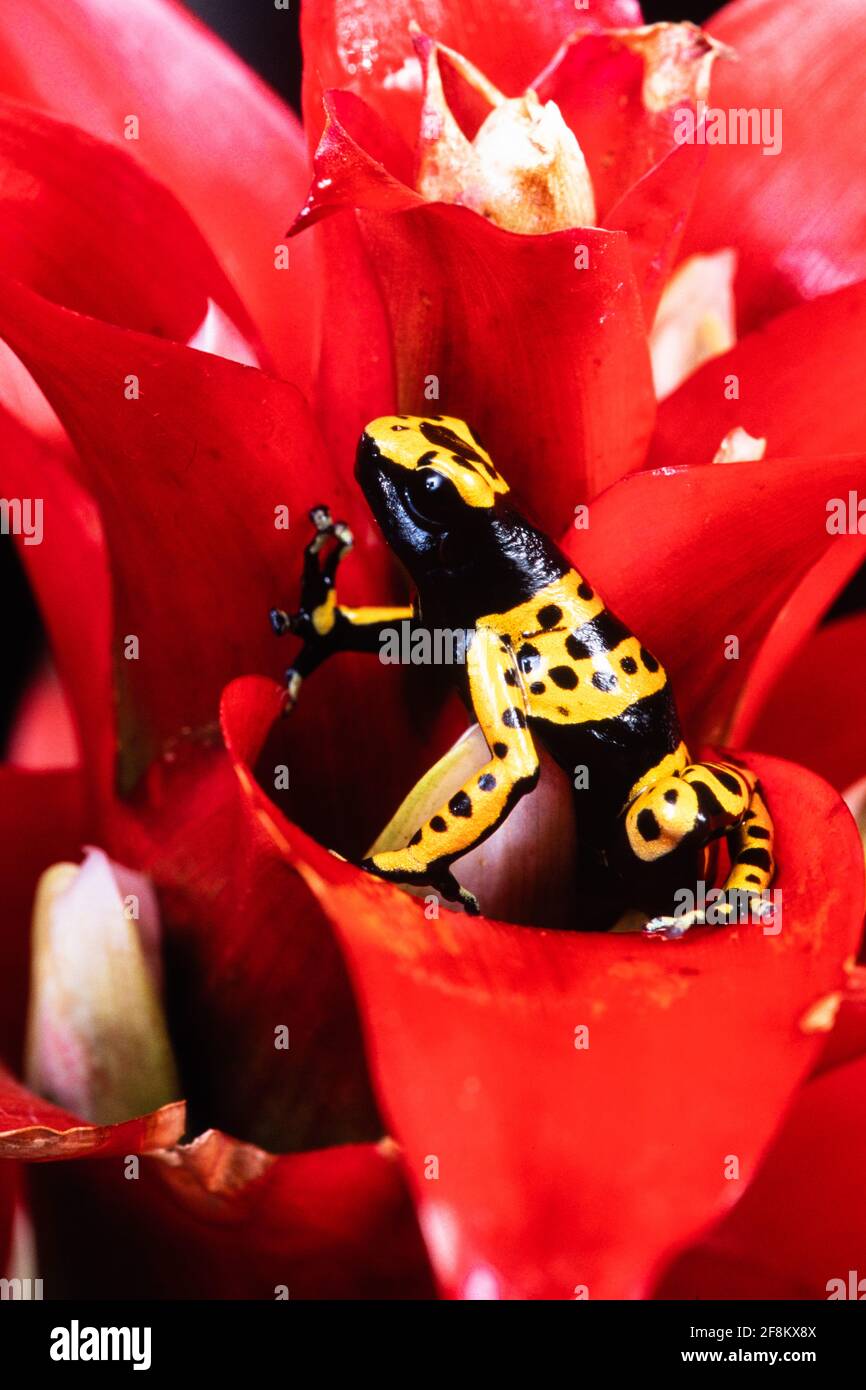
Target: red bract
x,y
796,58
806,695
562,316
443,266
361,51
207,129
247,414
35,1129
758,1251
234,1222
69,203
774,571
796,386
472,1036
531,1166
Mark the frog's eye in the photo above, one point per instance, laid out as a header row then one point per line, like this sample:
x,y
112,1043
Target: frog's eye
x,y
434,497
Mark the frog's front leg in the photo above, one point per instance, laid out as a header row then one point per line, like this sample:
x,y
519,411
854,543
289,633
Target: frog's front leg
x,y
325,626
483,802
702,802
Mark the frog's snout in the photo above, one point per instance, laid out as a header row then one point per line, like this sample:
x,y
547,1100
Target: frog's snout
x,y
368,458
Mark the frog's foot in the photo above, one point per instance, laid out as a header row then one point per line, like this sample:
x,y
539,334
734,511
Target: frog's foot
x,y
447,885
732,907
673,928
299,623
281,621
471,905
399,866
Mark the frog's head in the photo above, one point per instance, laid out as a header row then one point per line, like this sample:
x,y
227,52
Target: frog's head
x,y
427,479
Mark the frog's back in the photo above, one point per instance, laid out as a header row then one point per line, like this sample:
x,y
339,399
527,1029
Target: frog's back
x,y
595,696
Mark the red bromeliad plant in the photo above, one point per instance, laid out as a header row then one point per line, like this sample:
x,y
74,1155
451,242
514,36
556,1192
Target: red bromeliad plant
x,y
537,265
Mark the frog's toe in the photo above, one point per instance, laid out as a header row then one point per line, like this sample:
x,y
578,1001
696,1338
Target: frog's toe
x,y
763,910
280,621
672,928
298,623
471,905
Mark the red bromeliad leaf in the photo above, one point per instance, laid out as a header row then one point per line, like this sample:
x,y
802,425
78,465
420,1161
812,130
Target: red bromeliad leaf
x,y
500,320
68,570
87,227
195,567
237,1220
622,94
358,160
190,580
801,717
814,1169
737,550
508,323
41,820
192,562
797,385
369,48
249,954
653,213
33,1129
846,1016
797,619
618,91
798,230
355,379
232,1222
207,128
542,1182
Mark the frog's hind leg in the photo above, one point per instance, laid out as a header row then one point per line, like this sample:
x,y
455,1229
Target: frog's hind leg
x,y
748,829
484,800
752,861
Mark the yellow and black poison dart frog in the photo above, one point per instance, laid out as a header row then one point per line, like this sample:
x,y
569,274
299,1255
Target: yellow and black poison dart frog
x,y
547,664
